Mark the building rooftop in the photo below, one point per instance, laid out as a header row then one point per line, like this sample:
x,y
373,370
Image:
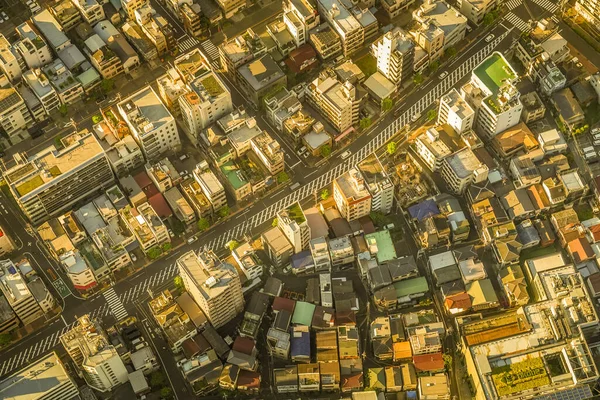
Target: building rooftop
x,y
145,111
441,15
494,72
261,72
346,22
50,28
464,163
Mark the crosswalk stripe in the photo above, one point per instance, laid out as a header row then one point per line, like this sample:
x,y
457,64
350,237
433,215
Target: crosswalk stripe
x,y
115,304
512,4
517,22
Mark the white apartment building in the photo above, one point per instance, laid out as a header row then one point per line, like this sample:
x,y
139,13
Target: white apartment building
x,y
91,11
500,104
130,6
41,293
351,195
294,226
462,169
456,112
114,254
18,295
52,180
341,251
319,249
51,30
440,26
41,87
151,123
95,358
207,100
349,29
147,227
432,149
475,10
9,63
378,183
46,378
68,88
120,147
248,261
269,152
300,17
395,53
393,8
210,185
337,102
80,274
214,285
14,115
33,50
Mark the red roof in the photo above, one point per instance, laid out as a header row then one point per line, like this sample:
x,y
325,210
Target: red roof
x,y
352,381
580,250
143,180
595,231
299,56
281,303
160,205
460,301
243,345
248,380
429,362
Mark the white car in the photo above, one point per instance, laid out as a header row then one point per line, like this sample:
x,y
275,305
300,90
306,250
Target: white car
x,y
596,142
1,20
415,117
192,239
346,154
171,233
489,38
4,16
443,75
133,257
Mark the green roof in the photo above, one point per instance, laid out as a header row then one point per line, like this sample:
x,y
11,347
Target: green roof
x,y
376,378
29,185
412,286
303,313
233,175
212,86
295,213
385,245
493,71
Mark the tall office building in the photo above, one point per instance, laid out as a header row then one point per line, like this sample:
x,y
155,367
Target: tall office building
x,y
18,295
95,358
52,180
346,25
214,285
151,123
351,195
339,103
45,379
378,184
294,226
395,52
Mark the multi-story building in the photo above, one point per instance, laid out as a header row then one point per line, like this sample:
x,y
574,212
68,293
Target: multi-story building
x,y
214,285
153,33
94,356
192,192
39,84
463,168
82,69
14,115
440,26
326,41
300,17
41,293
338,103
117,43
120,147
210,185
79,273
151,123
113,253
192,21
180,206
52,180
6,244
432,149
31,47
260,77
378,183
294,226
277,247
163,174
130,6
231,7
475,10
206,100
65,12
269,152
91,11
347,26
393,8
18,295
9,63
590,10
51,30
102,57
341,251
159,230
351,195
319,249
68,88
456,112
493,84
395,53
240,50
46,378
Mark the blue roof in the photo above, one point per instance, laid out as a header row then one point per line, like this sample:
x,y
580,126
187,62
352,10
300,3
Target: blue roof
x,y
423,210
302,260
300,344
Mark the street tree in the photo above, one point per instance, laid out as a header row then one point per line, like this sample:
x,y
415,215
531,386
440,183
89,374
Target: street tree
x,y
223,211
282,177
96,118
233,244
387,104
326,150
365,123
431,115
418,79
203,224
275,223
391,148
178,281
324,194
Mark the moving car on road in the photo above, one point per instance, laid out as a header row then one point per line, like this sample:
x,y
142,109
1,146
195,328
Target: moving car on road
x,y
443,75
489,38
346,154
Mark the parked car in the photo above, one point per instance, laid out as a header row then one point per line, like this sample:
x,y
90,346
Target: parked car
x,y
415,117
133,257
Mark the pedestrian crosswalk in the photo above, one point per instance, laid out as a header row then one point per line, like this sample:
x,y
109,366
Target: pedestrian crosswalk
x,y
212,53
512,4
186,42
517,22
115,304
547,5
